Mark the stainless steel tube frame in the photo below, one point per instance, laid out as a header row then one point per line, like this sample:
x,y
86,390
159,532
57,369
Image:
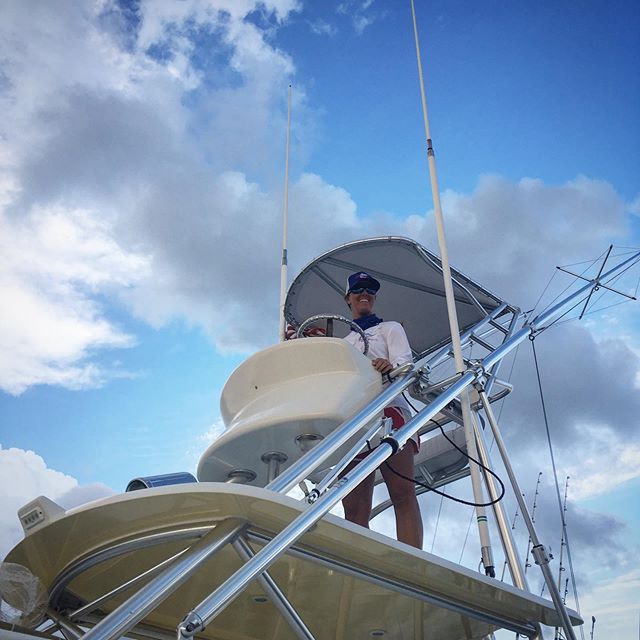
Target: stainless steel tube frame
x,y
539,552
113,550
443,353
211,606
69,629
517,315
219,599
513,560
347,458
244,550
79,614
398,586
300,469
129,613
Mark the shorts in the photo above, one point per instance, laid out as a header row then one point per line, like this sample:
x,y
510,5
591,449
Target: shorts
x,y
398,420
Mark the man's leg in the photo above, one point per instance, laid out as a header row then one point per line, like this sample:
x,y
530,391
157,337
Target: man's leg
x,y
403,496
357,504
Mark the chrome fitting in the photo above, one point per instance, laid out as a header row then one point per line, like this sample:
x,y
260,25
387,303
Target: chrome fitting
x,y
478,370
402,370
190,625
541,555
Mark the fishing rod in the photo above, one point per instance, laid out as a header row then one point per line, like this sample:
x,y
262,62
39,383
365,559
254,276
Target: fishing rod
x,y
527,564
563,543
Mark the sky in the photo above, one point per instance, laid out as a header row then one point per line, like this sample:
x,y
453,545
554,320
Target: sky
x,y
141,189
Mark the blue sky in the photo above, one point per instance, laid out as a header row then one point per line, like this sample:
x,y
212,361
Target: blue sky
x,y
140,196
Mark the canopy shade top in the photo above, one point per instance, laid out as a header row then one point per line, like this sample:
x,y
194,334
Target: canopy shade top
x,y
411,291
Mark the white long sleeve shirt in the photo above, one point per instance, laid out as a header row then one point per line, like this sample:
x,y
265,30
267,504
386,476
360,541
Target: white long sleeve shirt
x,y
387,340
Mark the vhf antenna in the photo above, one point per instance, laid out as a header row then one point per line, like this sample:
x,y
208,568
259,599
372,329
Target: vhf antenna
x,y
285,221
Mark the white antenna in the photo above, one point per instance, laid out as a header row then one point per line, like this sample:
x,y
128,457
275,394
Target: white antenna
x,y
285,220
467,418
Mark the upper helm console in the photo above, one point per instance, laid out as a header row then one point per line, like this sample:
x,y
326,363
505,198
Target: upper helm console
x,y
281,401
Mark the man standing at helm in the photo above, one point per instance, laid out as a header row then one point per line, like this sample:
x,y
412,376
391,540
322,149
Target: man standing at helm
x,y
388,349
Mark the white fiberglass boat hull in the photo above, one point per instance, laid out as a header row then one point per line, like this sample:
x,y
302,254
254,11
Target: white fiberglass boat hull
x,y
327,577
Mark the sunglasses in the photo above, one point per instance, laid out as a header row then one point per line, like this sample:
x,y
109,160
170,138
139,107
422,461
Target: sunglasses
x,y
371,292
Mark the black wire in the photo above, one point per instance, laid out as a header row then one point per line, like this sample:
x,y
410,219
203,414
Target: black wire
x,y
464,453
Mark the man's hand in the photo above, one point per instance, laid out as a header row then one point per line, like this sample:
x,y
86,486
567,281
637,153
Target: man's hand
x,y
311,332
382,365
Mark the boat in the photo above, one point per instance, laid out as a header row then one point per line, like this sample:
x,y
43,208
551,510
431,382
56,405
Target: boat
x,y
232,556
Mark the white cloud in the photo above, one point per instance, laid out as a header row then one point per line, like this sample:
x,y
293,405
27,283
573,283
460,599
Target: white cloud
x,y
510,236
614,603
214,431
84,147
50,265
322,28
171,159
362,13
592,475
199,445
24,475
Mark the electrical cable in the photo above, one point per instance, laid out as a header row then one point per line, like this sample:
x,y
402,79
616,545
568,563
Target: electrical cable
x,y
464,453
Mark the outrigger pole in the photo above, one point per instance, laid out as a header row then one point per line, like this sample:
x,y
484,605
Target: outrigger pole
x,y
469,423
285,222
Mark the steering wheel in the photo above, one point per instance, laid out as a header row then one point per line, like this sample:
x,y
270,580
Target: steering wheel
x,y
330,316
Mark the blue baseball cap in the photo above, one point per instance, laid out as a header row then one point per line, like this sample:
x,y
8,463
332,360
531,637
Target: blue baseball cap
x,y
362,279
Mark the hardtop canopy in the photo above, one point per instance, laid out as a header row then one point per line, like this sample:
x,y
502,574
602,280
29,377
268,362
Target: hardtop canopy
x,y
411,292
